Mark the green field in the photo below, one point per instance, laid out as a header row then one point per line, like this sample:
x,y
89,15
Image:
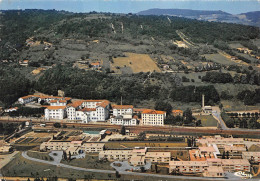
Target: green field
x,y
207,120
21,167
218,58
90,161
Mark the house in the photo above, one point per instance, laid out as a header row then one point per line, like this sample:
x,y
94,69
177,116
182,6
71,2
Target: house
x,y
24,63
158,157
11,109
120,120
50,98
188,166
153,117
214,171
234,165
113,155
122,110
251,156
55,112
26,99
95,65
177,113
58,102
72,146
220,141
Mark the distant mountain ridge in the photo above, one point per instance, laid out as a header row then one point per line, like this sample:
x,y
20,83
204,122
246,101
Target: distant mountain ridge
x,y
249,18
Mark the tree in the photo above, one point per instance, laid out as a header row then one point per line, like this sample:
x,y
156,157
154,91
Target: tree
x,y
65,155
122,131
163,106
224,155
69,155
117,174
57,125
187,114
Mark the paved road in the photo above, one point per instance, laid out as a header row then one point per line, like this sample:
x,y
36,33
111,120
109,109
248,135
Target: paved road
x,y
217,115
24,154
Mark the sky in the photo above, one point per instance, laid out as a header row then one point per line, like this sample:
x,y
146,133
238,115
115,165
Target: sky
x,y
133,6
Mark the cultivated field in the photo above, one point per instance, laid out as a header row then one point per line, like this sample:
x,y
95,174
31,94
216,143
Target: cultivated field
x,y
136,62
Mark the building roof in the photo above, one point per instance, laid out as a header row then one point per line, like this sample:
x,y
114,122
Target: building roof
x,y
104,103
149,111
177,111
95,63
215,169
207,149
234,148
29,96
188,163
76,104
56,107
235,162
122,106
158,154
254,154
87,109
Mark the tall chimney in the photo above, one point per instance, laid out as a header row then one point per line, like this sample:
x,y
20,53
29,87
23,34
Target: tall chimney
x,y
203,101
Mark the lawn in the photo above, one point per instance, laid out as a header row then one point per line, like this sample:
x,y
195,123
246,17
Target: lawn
x,y
207,120
117,144
137,63
219,58
21,167
25,168
39,155
90,161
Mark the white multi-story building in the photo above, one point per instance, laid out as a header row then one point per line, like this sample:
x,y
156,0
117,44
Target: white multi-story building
x,y
55,112
153,117
26,99
88,110
120,120
58,102
122,110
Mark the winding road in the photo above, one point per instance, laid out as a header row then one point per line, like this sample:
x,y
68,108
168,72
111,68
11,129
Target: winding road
x,y
24,154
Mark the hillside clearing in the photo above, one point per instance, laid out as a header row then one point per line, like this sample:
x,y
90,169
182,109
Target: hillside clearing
x,y
137,63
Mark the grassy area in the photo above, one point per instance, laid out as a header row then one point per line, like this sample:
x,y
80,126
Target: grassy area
x,y
90,161
117,144
207,120
254,148
26,168
218,58
34,169
137,62
38,155
180,154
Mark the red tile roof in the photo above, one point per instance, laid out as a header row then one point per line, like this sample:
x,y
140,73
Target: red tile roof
x,y
56,107
149,111
122,106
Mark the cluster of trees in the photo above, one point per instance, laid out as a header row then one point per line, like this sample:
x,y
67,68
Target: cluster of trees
x,y
194,94
8,128
217,77
250,77
250,123
249,97
27,111
13,85
134,27
94,85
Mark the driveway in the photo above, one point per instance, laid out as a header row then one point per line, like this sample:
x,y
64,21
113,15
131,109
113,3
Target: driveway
x,y
56,155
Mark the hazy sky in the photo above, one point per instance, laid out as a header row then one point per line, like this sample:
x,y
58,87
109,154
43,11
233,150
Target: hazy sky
x,y
127,6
